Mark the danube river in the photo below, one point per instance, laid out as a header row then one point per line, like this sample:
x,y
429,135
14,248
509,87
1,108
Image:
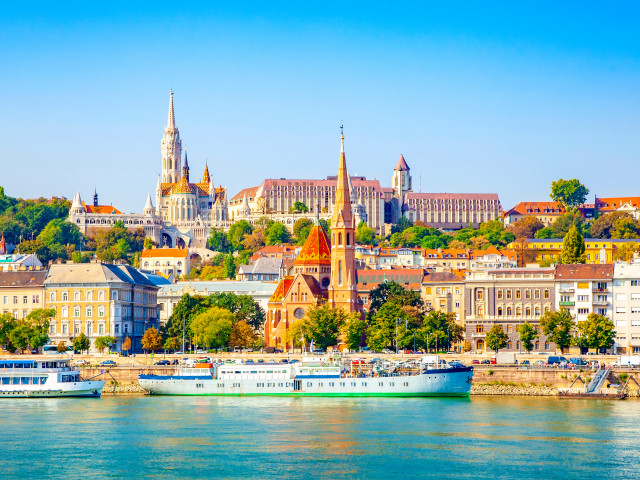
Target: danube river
x,y
270,437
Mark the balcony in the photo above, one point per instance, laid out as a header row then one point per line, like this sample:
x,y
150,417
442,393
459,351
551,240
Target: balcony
x,y
600,303
568,304
600,290
567,290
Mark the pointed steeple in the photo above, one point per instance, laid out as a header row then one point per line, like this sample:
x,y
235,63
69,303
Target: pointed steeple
x,y
342,205
206,178
185,168
148,204
171,122
95,197
159,185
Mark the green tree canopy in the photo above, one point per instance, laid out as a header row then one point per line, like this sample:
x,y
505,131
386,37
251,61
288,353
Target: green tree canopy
x,y
277,234
322,324
229,266
299,207
212,328
81,343
104,342
570,193
558,326
301,229
236,233
528,334
365,235
597,332
496,338
394,292
573,247
59,232
219,241
243,335
353,330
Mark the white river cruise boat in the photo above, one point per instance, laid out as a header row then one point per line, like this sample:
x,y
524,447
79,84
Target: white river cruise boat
x,y
44,378
316,377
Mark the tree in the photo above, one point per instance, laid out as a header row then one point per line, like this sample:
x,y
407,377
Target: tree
x,y
403,224
229,266
152,340
546,232
236,233
439,329
126,344
570,193
625,228
496,338
219,241
80,257
528,333
299,207
60,232
212,328
625,251
295,335
172,344
597,332
81,343
243,335
564,222
365,235
392,291
254,241
382,330
277,234
353,330
102,343
558,327
244,307
7,323
32,331
526,227
573,247
301,229
322,325
62,347
604,224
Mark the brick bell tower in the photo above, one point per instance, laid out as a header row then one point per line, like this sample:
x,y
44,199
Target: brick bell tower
x,y
343,291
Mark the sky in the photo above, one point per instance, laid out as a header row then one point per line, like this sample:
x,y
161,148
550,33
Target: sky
x,y
495,97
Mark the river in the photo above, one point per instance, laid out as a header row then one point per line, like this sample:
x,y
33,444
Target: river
x,y
309,438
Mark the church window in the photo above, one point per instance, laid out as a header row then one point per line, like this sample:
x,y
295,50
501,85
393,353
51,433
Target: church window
x,y
339,238
348,238
298,313
340,272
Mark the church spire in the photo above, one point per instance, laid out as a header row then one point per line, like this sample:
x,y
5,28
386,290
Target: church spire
x,y
185,168
171,122
206,178
342,206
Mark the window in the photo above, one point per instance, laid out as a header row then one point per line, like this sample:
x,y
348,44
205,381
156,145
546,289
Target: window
x,y
618,283
508,294
583,311
35,298
65,312
499,294
25,299
499,311
509,328
634,283
52,297
527,294
537,311
546,293
509,311
114,295
101,328
479,328
89,311
15,299
527,311
76,296
65,328
621,309
536,294
583,298
635,309
518,295
101,311
101,295
479,294
65,297
76,312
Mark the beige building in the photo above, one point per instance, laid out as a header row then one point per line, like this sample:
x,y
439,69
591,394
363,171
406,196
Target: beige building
x,y
99,299
21,292
508,297
166,261
444,291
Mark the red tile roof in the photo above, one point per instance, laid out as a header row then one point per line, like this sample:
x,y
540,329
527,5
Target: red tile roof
x,y
165,252
613,203
584,272
104,209
316,249
534,208
401,165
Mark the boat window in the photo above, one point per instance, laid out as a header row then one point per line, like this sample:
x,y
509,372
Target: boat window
x,y
24,380
6,380
16,381
43,380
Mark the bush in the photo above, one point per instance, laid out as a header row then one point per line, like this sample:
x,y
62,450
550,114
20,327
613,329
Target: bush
x,y
490,372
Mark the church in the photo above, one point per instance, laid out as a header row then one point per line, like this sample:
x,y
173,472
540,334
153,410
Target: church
x,y
323,272
188,209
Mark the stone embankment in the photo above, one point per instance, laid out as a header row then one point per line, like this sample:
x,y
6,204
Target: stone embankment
x,y
500,388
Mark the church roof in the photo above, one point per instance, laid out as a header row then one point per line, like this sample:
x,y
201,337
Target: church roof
x,y
316,249
165,252
104,209
200,189
183,186
402,164
206,178
281,289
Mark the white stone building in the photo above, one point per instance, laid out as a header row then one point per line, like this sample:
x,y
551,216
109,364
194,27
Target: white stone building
x,y
583,289
626,307
166,261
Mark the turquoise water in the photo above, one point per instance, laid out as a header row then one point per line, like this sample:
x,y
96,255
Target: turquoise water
x,y
224,437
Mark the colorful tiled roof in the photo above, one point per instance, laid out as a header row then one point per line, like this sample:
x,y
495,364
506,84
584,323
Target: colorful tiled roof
x,y
613,203
316,249
584,272
105,209
165,252
281,289
402,164
534,208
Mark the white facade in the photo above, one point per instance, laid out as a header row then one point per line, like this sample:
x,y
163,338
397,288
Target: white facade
x,y
626,307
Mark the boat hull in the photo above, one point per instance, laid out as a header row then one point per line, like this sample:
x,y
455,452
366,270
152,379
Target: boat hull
x,y
90,388
451,382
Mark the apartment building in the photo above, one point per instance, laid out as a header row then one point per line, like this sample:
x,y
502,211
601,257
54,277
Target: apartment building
x,y
626,307
582,289
21,292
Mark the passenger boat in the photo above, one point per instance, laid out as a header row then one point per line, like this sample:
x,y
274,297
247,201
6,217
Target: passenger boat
x,y
315,377
44,378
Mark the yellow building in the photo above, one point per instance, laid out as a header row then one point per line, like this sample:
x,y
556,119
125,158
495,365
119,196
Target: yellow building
x,y
444,291
21,292
597,250
99,299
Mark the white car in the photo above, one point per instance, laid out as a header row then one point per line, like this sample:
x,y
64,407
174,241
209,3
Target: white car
x,y
79,363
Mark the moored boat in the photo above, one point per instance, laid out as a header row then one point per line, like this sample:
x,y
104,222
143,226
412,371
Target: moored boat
x,y
315,377
44,378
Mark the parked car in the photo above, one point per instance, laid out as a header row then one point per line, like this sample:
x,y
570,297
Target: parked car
x,y
525,362
318,351
107,363
163,362
260,360
485,362
79,363
175,362
578,362
249,362
557,361
387,351
277,350
475,362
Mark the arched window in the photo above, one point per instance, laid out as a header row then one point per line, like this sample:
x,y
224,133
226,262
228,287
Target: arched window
x,y
76,296
101,311
89,295
537,345
101,295
89,311
65,297
348,239
339,271
340,238
65,311
52,297
76,312
509,311
499,311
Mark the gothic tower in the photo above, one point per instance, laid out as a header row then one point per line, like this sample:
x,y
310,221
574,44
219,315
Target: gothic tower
x,y
171,148
401,183
343,286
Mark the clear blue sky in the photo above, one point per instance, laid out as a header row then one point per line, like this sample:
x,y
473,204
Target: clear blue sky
x,y
501,97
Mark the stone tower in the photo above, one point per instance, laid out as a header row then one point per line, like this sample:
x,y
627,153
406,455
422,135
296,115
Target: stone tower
x,y
343,286
401,184
171,148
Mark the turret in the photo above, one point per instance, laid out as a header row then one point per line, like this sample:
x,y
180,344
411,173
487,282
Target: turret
x,y
148,207
76,206
171,148
95,198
